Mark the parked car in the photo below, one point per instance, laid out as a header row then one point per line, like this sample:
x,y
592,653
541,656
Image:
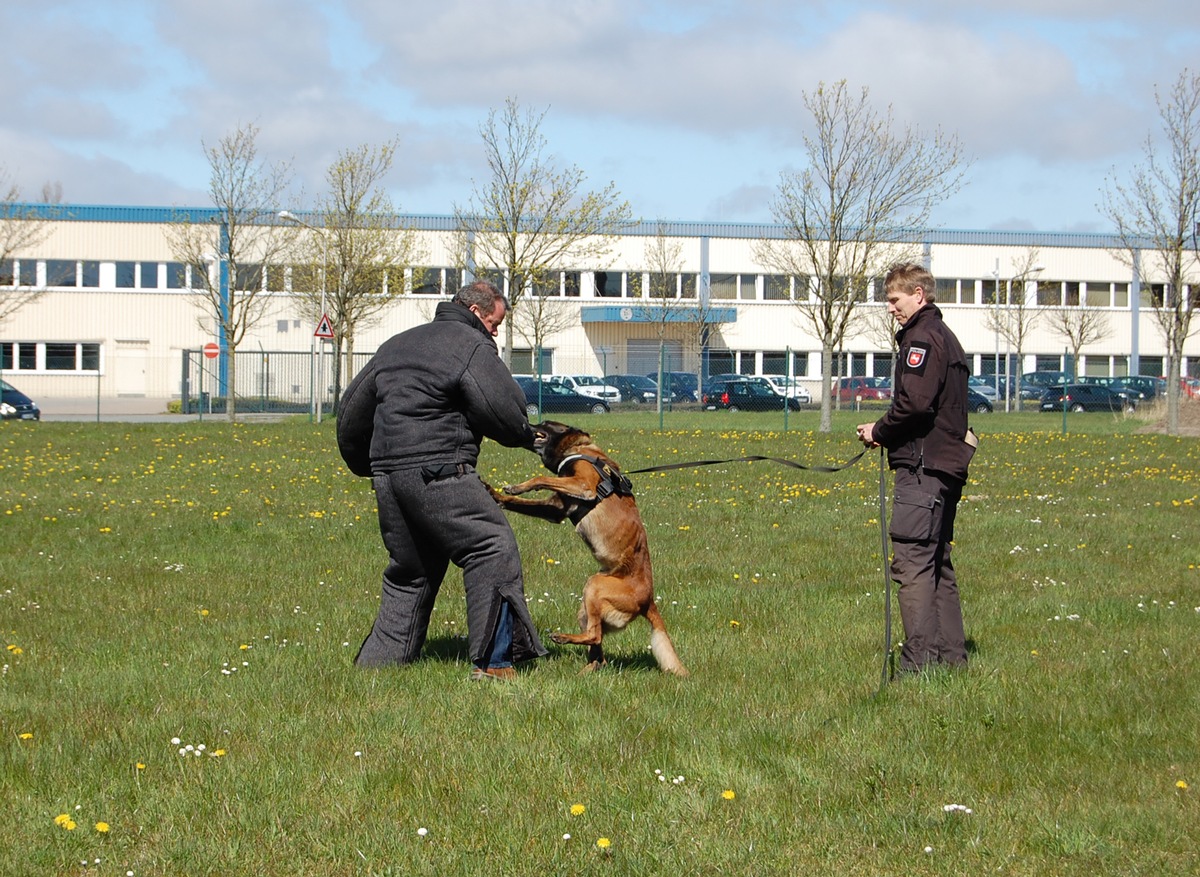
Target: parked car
x,y
785,387
634,388
678,386
1141,387
1034,384
587,385
983,386
742,395
867,389
977,402
557,399
1085,397
15,405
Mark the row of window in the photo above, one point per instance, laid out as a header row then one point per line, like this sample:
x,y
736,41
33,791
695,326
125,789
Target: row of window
x,y
49,356
84,358
603,284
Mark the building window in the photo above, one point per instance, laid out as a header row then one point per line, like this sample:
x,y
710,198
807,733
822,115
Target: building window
x,y
748,287
89,273
774,362
148,275
8,272
176,275
722,286
607,284
1097,295
968,292
1071,289
126,275
523,361
59,272
720,362
777,287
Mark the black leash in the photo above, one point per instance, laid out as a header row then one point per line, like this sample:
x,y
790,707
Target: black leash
x,y
751,459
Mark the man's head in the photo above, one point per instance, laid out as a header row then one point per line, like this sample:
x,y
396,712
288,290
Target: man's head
x,y
485,302
909,287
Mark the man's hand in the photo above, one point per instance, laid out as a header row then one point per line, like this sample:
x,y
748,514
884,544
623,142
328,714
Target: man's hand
x,y
866,435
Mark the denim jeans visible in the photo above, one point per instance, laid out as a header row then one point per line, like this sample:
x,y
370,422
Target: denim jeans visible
x,y
502,639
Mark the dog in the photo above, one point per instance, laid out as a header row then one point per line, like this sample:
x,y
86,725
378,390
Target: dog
x,y
588,489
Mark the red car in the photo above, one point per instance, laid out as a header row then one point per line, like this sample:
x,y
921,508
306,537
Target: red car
x,y
851,390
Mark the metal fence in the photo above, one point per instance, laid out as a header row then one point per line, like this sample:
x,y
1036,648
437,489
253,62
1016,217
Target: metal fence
x,y
260,381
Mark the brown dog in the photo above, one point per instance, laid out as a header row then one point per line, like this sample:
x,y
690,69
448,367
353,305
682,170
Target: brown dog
x,y
590,490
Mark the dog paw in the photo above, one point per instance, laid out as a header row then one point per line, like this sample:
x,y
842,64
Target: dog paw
x,y
513,489
560,638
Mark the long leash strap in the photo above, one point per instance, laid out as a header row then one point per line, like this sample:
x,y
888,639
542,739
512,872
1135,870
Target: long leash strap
x,y
751,459
887,574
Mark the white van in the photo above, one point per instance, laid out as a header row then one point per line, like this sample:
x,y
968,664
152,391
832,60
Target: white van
x,y
586,385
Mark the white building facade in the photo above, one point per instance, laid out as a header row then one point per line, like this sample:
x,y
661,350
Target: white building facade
x,y
118,317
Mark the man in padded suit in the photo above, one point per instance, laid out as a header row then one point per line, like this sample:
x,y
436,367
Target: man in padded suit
x,y
413,420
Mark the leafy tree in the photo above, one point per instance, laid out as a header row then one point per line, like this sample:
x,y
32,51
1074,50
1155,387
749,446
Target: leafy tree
x,y
354,266
531,219
230,255
1155,213
869,187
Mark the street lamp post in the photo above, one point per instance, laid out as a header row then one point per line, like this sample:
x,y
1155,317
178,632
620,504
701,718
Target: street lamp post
x,y
319,390
996,326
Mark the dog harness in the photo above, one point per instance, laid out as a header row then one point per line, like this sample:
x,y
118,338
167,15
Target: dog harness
x,y
611,481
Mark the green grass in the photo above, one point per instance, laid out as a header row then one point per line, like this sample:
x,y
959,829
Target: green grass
x,y
211,583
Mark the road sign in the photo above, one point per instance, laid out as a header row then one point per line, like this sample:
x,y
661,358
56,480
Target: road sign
x,y
324,328
211,350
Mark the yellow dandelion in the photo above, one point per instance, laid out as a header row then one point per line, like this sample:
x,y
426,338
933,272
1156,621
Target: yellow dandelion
x,y
604,843
729,794
25,735
102,827
203,613
733,622
62,819
140,765
577,809
16,650
1181,785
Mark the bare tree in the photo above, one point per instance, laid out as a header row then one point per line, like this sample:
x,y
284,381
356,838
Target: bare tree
x,y
869,187
530,219
1155,214
540,317
1014,314
661,304
1078,326
354,267
22,228
229,256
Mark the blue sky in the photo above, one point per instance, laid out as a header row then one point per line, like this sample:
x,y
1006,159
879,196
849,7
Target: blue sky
x,y
692,109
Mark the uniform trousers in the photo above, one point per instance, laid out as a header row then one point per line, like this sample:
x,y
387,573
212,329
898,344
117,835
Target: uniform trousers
x,y
430,517
924,506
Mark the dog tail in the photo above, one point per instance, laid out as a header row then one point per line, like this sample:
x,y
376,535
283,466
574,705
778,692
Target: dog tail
x,y
661,646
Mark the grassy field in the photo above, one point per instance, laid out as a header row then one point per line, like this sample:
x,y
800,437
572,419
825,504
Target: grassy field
x,y
203,588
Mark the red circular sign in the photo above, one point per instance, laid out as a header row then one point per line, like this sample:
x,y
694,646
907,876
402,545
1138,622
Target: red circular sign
x,y
211,350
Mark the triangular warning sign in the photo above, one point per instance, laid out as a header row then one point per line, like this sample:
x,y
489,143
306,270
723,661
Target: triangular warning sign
x,y
324,328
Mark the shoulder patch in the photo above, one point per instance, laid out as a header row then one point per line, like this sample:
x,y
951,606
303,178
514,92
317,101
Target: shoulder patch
x,y
916,357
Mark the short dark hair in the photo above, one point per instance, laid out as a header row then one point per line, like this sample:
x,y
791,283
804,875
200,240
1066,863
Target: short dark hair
x,y
480,294
907,276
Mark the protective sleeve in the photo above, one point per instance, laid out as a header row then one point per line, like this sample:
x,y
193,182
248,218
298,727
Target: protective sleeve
x,y
495,402
356,422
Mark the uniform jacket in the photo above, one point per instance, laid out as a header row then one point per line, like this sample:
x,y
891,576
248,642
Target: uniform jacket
x,y
926,424
430,395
